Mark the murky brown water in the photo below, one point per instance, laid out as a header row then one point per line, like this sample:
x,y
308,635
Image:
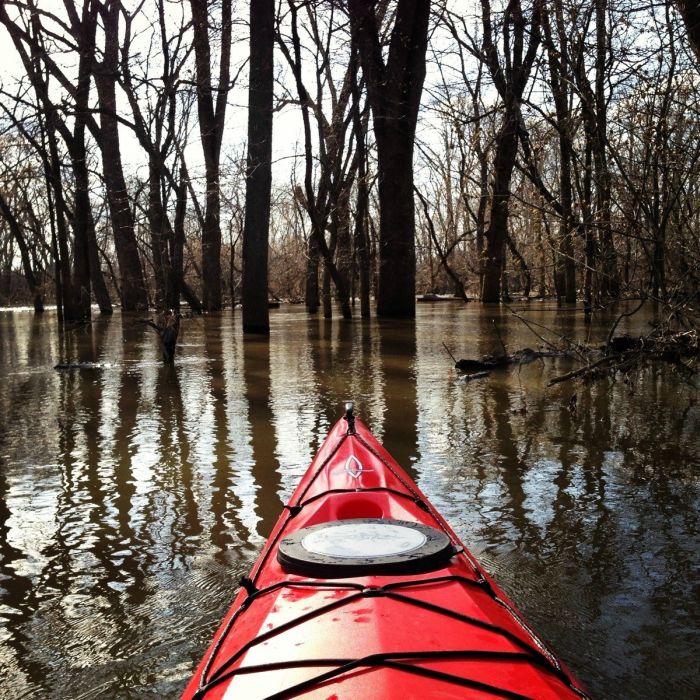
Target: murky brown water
x,y
133,497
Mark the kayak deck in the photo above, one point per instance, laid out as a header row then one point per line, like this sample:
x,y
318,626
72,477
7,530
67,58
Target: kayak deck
x,y
441,630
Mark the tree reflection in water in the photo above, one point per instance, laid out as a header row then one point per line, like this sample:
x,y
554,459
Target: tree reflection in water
x,y
133,497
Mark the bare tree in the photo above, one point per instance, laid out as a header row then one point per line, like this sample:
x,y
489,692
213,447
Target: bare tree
x,y
211,107
394,91
28,39
327,204
259,168
106,71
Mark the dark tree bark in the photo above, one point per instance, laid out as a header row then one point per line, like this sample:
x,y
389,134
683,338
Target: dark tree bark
x,y
259,168
311,292
690,11
211,128
510,80
394,90
178,244
497,231
132,283
85,255
560,79
340,221
360,237
161,241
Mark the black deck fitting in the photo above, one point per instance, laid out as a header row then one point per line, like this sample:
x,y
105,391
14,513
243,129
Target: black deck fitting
x,y
350,417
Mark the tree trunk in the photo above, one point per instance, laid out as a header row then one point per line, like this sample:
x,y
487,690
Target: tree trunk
x,y
178,243
83,224
211,125
97,279
510,80
497,231
132,283
588,234
397,250
362,201
312,265
326,294
64,278
259,168
610,284
558,60
341,223
361,243
525,270
394,90
161,238
690,10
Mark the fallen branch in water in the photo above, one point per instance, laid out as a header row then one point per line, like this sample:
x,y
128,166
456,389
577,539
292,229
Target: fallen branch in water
x,y
581,371
624,353
490,362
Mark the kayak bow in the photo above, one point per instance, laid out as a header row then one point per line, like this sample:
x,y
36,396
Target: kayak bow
x,y
363,591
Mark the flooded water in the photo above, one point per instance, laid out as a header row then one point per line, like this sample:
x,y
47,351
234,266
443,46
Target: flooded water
x,y
133,496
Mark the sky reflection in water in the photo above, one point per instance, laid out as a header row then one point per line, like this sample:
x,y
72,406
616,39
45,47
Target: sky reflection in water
x,y
134,496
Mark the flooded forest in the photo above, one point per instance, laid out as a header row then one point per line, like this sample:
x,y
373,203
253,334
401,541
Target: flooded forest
x,y
219,221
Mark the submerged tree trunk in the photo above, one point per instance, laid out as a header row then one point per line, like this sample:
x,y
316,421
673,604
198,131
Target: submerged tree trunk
x,y
211,126
559,78
178,244
510,79
132,283
361,242
394,89
87,270
497,231
312,295
97,279
343,246
161,238
259,167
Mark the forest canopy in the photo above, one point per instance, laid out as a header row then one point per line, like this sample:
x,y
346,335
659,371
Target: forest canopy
x,y
340,150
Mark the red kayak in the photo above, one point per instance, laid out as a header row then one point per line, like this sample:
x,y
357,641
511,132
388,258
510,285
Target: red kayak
x,y
364,592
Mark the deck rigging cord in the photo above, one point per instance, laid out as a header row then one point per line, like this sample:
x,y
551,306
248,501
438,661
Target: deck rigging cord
x,y
538,653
